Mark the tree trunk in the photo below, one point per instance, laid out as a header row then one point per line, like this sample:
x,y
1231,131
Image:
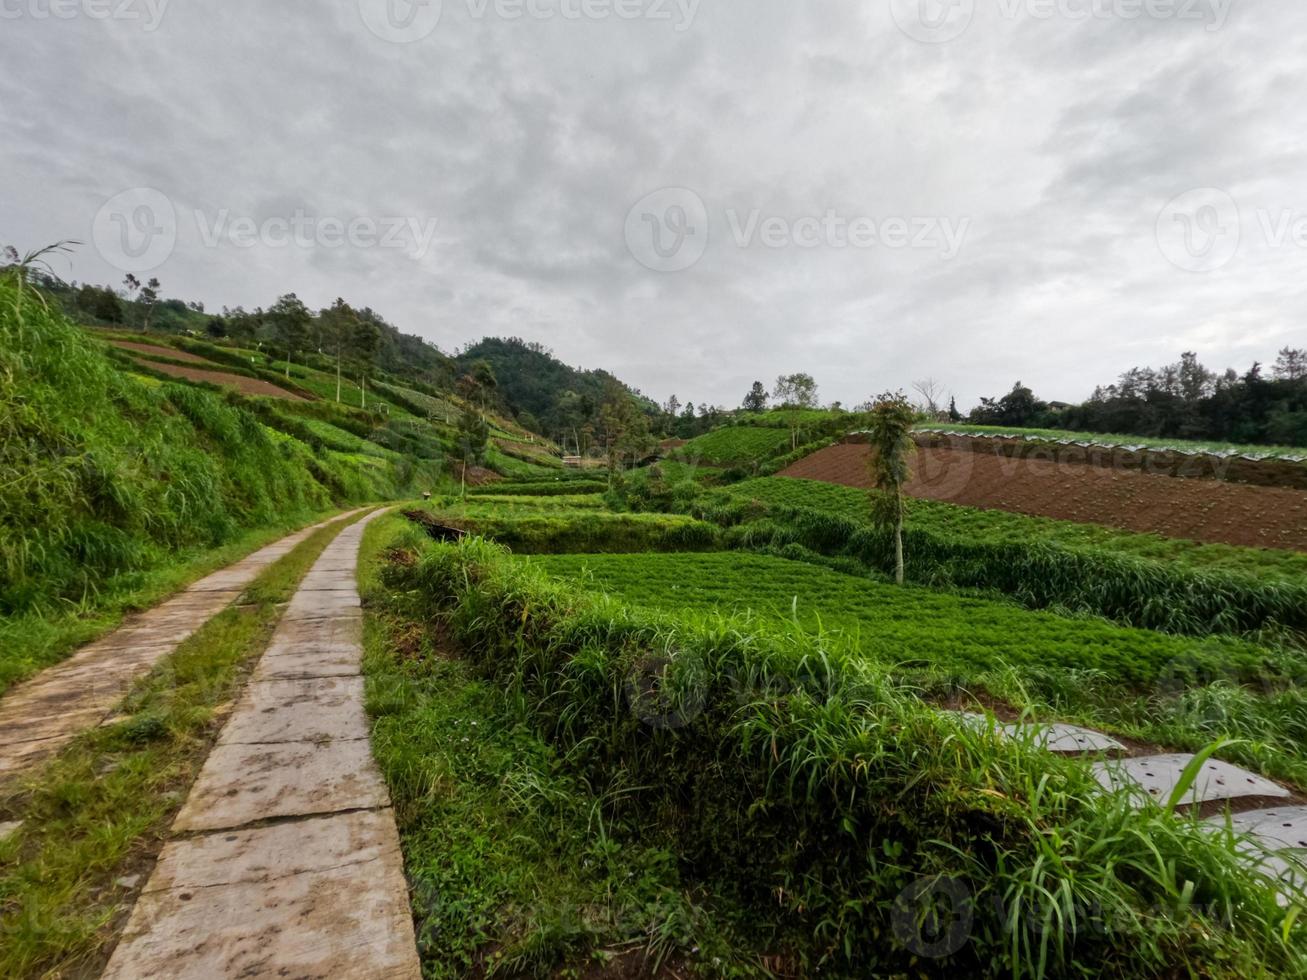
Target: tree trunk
x,y
898,550
288,353
463,481
337,377
363,390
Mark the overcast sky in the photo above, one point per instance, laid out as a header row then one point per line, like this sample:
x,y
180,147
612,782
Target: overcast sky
x,y
693,193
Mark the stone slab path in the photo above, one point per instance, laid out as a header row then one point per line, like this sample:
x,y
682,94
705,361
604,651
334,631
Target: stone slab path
x,y
1267,837
42,715
285,860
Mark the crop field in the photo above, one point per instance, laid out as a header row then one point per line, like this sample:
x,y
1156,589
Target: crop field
x,y
1207,510
899,626
1102,439
735,444
1005,526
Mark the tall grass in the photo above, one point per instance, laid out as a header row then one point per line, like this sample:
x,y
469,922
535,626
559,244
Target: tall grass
x,y
824,792
103,475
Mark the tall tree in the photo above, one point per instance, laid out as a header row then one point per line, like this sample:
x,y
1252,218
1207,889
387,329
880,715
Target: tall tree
x,y
149,299
625,428
338,324
1291,365
795,391
364,344
890,430
931,391
756,399
470,442
289,319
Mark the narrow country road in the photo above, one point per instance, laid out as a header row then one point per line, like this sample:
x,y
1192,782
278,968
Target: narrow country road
x,y
40,716
285,860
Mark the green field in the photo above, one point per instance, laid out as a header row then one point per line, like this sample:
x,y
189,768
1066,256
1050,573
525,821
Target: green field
x,y
1004,526
735,444
918,627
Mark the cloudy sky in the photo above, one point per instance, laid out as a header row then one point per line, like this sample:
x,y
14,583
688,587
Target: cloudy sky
x,y
693,193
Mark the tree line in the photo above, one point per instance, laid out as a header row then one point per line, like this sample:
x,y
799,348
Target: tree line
x,y
1185,400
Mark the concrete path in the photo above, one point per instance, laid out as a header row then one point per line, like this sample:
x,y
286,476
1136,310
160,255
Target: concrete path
x,y
285,860
42,715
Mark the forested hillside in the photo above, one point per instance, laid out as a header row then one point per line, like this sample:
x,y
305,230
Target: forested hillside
x,y
541,389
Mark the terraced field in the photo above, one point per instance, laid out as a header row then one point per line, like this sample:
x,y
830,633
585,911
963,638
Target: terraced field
x,y
735,444
1000,525
917,627
1199,510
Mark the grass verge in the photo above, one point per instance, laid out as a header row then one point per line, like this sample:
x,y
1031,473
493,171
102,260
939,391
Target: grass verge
x,y
517,867
94,818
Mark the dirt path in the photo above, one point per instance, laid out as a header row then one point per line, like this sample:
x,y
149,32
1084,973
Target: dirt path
x,y
1199,510
40,716
285,860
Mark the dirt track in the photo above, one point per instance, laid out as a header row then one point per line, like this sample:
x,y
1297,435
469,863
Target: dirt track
x,y
1200,510
248,386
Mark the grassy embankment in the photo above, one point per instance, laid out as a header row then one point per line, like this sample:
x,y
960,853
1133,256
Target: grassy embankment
x,y
119,488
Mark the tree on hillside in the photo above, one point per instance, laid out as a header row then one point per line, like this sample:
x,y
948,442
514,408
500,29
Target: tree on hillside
x,y
954,415
364,344
931,392
624,427
470,442
756,399
1019,408
486,384
892,447
1291,365
289,320
337,325
795,391
149,299
102,304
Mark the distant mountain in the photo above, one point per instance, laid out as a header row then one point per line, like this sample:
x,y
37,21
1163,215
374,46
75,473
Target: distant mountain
x,y
545,394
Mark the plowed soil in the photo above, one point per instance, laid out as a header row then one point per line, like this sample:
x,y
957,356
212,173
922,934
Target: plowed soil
x,y
155,351
248,386
1199,510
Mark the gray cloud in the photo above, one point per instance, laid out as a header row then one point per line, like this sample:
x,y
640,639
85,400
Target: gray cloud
x,y
1059,140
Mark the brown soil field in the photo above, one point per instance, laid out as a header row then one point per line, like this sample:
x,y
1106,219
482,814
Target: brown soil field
x,y
169,352
248,386
1199,510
